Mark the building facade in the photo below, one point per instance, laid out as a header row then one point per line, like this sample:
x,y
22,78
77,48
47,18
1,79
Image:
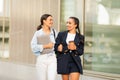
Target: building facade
x,y
99,23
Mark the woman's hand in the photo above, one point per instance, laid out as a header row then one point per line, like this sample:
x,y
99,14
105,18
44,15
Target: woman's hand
x,y
60,47
71,45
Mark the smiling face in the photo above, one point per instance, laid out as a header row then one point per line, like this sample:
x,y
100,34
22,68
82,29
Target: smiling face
x,y
49,21
71,26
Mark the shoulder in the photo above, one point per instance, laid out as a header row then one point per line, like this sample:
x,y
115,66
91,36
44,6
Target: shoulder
x,y
80,36
63,32
39,32
54,30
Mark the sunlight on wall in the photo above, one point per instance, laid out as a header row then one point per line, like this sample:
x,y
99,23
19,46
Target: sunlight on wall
x,y
103,16
118,21
1,6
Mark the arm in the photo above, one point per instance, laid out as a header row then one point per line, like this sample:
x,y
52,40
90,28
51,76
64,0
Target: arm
x,y
80,47
57,42
60,46
36,48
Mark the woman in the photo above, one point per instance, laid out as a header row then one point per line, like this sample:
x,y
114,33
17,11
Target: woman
x,y
69,46
42,45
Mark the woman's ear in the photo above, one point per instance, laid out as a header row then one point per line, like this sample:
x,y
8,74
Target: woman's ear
x,y
75,25
44,21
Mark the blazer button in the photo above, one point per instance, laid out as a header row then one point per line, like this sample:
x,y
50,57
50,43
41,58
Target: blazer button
x,y
70,51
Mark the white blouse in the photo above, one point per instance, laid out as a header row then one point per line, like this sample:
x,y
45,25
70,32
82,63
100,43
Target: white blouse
x,y
70,37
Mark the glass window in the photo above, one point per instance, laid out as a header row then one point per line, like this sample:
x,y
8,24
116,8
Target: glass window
x,y
4,28
1,29
70,8
102,29
1,7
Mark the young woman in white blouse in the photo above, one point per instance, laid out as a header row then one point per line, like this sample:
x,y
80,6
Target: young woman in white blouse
x,y
42,45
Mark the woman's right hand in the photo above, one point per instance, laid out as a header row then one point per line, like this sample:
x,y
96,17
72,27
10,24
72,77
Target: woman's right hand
x,y
60,47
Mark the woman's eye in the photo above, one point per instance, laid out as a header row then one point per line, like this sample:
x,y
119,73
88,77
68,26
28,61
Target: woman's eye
x,y
68,22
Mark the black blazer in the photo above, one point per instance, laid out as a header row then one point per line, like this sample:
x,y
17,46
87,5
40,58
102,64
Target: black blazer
x,y
62,61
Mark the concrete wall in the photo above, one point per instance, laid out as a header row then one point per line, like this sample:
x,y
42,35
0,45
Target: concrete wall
x,y
25,17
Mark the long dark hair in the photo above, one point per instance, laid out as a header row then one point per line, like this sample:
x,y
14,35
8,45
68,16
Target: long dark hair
x,y
43,17
76,20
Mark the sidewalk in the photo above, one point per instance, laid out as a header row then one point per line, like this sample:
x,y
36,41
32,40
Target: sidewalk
x,y
83,77
11,71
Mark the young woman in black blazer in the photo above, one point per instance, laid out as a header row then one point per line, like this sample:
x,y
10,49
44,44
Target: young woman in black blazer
x,y
69,47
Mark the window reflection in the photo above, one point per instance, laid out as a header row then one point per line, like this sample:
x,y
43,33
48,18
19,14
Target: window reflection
x,y
103,16
1,6
102,36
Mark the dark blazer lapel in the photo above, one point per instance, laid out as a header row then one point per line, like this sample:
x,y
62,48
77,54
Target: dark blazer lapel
x,y
64,36
76,40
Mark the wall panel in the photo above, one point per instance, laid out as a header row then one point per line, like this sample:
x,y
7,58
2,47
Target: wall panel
x,y
25,16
